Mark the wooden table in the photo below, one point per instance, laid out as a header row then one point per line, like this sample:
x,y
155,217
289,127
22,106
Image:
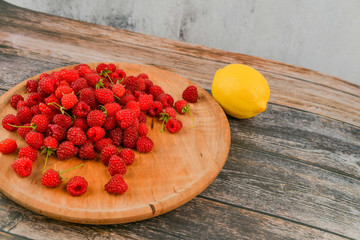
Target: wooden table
x,y
292,172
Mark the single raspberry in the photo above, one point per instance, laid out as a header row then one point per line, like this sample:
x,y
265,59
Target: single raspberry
x,y
68,101
166,100
51,178
35,110
96,118
111,67
144,144
95,133
126,117
81,109
137,94
21,104
35,140
183,107
87,151
44,109
130,137
62,90
41,122
112,109
76,136
52,101
127,155
116,165
119,90
41,93
12,120
15,99
8,146
28,152
81,123
43,75
77,186
148,84
110,123
165,115
83,70
92,79
24,114
100,67
47,84
142,117
87,95
70,75
56,131
116,136
173,125
142,129
155,90
58,74
102,143
24,131
121,73
22,167
116,185
34,98
145,101
104,95
107,153
78,85
135,83
170,112
190,94
51,142
66,150
32,85
63,120
77,67
155,109
134,106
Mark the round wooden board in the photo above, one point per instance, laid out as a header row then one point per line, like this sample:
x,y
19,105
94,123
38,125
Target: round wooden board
x,y
179,167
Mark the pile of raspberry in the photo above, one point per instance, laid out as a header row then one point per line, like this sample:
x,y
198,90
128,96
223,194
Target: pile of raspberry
x,y
82,112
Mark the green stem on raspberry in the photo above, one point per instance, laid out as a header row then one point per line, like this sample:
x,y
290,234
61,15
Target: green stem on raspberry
x,y
162,126
61,108
49,152
71,169
192,119
103,109
32,126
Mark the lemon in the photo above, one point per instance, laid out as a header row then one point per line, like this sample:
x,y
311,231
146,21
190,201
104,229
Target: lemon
x,y
241,90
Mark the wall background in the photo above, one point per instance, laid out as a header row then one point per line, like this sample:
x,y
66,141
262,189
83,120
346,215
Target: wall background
x,y
323,35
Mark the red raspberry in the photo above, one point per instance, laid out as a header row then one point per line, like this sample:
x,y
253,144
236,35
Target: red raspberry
x,y
43,75
87,151
35,110
135,83
81,123
116,136
134,106
51,115
35,140
78,85
63,120
145,102
10,119
181,106
96,118
15,99
110,123
51,101
56,131
104,95
87,95
116,165
142,118
165,99
155,109
148,84
144,144
28,152
66,150
126,98
155,90
190,94
170,111
76,136
34,98
116,185
44,109
24,114
77,186
142,129
126,117
32,85
24,131
112,109
41,122
107,153
21,104
70,75
121,73
42,93
22,167
95,133
92,79
173,125
8,146
118,90
127,155
51,178
47,84
81,109
83,70
51,143
102,143
62,90
101,67
111,67
68,101
130,137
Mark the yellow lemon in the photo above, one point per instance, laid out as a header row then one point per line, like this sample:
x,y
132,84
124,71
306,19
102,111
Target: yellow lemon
x,y
241,90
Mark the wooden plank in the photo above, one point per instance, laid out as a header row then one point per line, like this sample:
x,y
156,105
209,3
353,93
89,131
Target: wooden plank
x,y
9,236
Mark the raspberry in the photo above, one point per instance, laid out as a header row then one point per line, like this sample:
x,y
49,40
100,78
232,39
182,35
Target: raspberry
x,y
10,119
102,143
127,155
8,146
35,140
51,115
96,118
78,85
104,95
87,151
130,137
116,185
135,83
165,99
32,85
22,167
81,123
51,178
155,109
111,67
116,165
173,125
42,93
116,136
41,122
51,143
126,117
118,90
77,186
70,75
170,111
134,106
43,75
121,73
144,144
63,120
87,95
92,79
81,109
56,131
190,94
24,114
112,109
15,99
101,67
21,104
44,109
83,70
148,84
145,102
47,84
95,133
24,131
51,101
107,153
165,115
35,110
127,97
142,129
76,136
28,152
66,150
155,90
142,118
34,98
68,101
61,90
110,123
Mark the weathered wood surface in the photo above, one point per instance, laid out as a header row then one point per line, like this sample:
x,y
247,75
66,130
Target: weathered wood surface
x,y
293,172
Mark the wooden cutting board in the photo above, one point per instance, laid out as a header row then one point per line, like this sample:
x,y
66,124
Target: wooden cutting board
x,y
179,167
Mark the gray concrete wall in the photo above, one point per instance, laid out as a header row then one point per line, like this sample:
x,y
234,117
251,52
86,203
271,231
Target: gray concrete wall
x,y
323,35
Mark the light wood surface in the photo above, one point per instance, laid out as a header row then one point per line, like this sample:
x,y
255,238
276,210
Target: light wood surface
x,y
178,168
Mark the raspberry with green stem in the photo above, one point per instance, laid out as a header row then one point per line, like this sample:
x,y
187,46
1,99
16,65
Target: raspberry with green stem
x,y
61,108
187,109
52,177
105,73
164,117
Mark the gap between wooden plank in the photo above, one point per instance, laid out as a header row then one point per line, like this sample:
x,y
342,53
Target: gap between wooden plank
x,y
10,236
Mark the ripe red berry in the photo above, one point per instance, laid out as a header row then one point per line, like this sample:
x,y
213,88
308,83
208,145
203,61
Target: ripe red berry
x,y
144,144
130,137
44,109
107,153
110,123
35,110
68,101
134,106
102,143
181,106
116,136
148,84
92,79
127,155
116,185
95,133
112,108
8,146
76,136
34,140
126,98
119,90
56,131
166,100
155,109
145,101
28,152
78,85
116,165
66,150
24,114
121,73
70,75
10,119
32,85
101,67
104,95
173,125
22,167
24,131
96,118
135,84
77,186
155,90
142,129
142,117
51,178
81,109
83,69
47,84
111,67
15,99
87,151
52,101
126,117
51,143
62,90
34,98
81,123
190,94
63,120
41,122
